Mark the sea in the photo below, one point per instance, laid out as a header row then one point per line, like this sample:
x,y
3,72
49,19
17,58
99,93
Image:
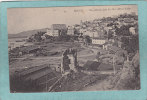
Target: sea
x,y
17,42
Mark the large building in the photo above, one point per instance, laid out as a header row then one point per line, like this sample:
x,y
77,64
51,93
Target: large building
x,y
56,30
70,30
51,32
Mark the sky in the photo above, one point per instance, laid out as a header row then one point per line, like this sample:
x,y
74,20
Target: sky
x,y
23,19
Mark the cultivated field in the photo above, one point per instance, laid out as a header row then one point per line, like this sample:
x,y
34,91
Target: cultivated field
x,y
29,60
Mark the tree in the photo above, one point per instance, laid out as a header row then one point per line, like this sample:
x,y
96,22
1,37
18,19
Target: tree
x,y
76,32
123,31
110,34
131,43
111,24
48,37
134,43
40,33
125,43
98,56
30,39
87,39
37,37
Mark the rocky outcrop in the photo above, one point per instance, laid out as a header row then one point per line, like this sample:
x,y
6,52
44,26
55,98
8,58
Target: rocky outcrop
x,y
130,75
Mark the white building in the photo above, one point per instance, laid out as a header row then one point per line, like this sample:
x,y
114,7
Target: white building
x,y
98,41
132,30
70,30
95,34
52,32
56,29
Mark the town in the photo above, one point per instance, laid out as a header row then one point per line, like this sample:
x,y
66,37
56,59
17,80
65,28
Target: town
x,y
99,54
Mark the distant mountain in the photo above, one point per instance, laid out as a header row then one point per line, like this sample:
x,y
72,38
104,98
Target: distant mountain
x,y
25,34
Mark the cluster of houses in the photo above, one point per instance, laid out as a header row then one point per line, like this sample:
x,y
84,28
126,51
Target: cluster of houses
x,y
97,29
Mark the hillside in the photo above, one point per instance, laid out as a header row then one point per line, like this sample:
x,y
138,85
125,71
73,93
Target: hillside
x,y
26,33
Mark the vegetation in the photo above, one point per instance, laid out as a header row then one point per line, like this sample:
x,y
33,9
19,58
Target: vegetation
x,y
76,32
123,31
110,34
87,39
37,36
130,42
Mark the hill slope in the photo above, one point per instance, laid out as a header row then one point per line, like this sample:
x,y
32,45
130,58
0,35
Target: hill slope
x,y
25,34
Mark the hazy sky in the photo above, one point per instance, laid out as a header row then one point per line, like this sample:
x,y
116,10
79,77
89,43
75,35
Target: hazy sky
x,y
23,19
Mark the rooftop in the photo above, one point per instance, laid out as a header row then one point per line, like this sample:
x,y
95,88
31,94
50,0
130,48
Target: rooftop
x,y
105,67
58,26
91,65
99,38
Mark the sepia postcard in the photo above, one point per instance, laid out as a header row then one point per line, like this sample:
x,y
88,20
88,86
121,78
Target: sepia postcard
x,y
82,48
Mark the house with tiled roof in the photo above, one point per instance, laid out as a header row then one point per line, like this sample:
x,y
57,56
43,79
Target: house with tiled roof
x,y
91,65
